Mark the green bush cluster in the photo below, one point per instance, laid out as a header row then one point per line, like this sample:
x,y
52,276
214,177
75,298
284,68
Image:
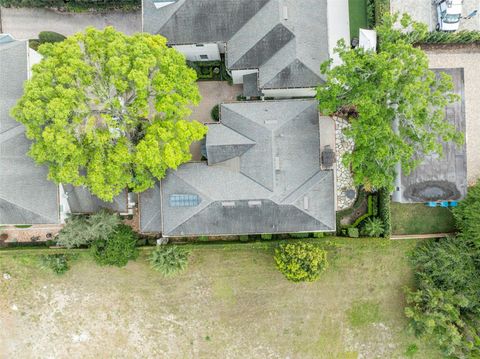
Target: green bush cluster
x,y
301,261
299,235
116,250
75,5
444,306
50,37
169,260
384,211
215,113
206,70
57,263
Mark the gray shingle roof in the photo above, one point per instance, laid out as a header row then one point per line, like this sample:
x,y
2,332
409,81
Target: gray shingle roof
x,y
26,196
80,200
274,186
150,208
286,40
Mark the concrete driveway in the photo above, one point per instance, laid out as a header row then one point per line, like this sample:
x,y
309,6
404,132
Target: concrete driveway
x,y
424,11
26,23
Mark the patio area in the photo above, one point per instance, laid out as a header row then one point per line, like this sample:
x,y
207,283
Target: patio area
x,y
213,93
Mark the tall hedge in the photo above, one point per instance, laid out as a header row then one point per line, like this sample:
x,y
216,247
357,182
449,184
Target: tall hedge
x,y
384,211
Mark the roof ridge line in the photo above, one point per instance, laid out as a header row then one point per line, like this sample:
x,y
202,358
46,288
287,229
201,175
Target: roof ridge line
x,y
24,208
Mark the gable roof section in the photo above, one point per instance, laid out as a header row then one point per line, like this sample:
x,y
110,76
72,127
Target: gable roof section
x,y
286,40
276,186
80,200
26,196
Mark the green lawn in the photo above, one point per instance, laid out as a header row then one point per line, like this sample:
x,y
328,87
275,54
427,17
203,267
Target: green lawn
x,y
358,16
420,219
231,302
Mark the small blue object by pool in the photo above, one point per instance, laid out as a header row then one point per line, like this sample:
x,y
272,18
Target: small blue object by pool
x,y
431,204
444,204
453,203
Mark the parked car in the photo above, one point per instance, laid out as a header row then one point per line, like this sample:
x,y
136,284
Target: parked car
x,y
449,13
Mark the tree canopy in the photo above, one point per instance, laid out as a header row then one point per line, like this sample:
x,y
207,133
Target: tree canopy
x,y
106,110
379,91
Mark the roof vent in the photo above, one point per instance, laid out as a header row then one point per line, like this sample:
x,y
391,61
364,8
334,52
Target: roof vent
x,y
228,204
285,13
305,202
277,163
254,203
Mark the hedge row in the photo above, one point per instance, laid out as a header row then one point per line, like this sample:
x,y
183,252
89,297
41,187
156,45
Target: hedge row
x,y
75,4
206,70
458,37
375,11
384,211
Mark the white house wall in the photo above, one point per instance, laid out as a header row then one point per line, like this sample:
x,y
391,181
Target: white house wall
x,y
237,75
193,52
292,92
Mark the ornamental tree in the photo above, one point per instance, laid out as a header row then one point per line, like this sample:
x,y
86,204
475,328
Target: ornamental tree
x,y
106,110
393,102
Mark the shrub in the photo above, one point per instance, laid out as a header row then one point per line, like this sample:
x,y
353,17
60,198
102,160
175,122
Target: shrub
x,y
266,236
458,37
301,261
58,263
467,215
352,232
318,234
169,259
299,235
244,238
50,37
82,230
118,249
373,227
215,113
384,211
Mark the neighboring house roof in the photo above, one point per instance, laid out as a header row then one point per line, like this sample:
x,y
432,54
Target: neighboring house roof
x,y
285,40
440,178
80,200
26,196
263,175
150,209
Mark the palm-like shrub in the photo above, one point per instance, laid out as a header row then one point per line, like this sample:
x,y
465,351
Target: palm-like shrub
x,y
373,227
169,260
301,262
57,263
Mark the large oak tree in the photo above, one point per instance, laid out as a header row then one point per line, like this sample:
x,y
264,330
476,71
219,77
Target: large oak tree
x,y
377,91
106,110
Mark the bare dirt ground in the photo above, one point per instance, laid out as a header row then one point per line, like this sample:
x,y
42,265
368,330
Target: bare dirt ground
x,y
230,303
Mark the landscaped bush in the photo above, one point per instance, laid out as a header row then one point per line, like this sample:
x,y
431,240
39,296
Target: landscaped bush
x,y
373,227
457,37
353,232
467,215
301,262
375,11
82,230
215,113
266,236
444,307
116,250
384,211
75,5
169,260
299,235
50,37
58,263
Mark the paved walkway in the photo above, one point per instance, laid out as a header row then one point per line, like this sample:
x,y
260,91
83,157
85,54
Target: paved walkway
x,y
25,23
213,93
467,58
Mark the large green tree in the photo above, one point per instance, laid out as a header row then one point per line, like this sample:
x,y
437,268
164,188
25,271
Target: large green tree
x,y
376,90
107,110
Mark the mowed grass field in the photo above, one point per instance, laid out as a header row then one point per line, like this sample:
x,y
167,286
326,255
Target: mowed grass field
x,y
416,218
231,302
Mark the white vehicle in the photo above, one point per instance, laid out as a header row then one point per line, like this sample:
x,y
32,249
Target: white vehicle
x,y
449,14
